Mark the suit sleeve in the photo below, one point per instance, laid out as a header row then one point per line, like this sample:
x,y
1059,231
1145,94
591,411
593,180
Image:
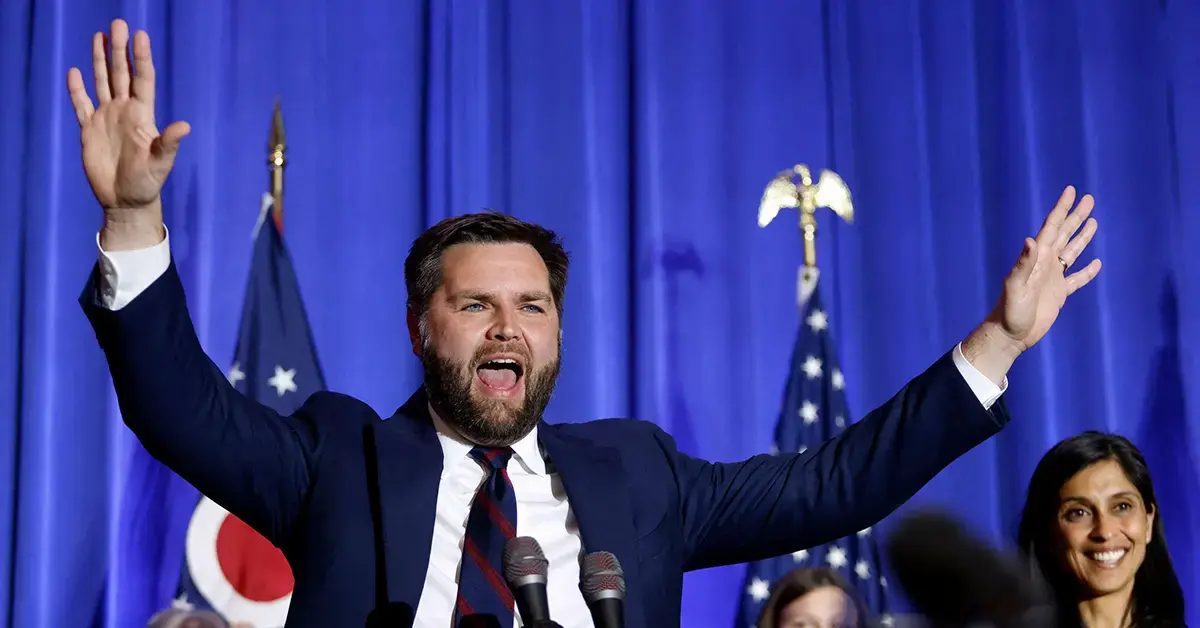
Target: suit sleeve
x,y
242,455
775,505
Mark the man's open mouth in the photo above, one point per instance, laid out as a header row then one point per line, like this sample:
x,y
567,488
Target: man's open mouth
x,y
501,373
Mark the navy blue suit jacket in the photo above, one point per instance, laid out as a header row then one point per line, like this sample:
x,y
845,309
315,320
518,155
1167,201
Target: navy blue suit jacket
x,y
350,498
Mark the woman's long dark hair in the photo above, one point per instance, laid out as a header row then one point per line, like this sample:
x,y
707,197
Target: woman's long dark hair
x,y
800,582
1157,597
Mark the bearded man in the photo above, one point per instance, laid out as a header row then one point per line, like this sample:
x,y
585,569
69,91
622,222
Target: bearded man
x,y
413,511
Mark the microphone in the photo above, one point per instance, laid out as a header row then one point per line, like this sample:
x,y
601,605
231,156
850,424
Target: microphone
x,y
603,586
956,579
525,569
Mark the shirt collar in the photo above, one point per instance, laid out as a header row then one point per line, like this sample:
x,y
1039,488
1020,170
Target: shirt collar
x,y
456,448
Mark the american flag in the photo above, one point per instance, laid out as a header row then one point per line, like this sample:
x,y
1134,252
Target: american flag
x,y
242,576
815,410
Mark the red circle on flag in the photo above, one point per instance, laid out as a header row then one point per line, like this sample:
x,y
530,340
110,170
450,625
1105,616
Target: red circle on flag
x,y
257,570
238,572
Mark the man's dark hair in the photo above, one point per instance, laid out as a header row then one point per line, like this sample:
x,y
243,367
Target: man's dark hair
x,y
423,267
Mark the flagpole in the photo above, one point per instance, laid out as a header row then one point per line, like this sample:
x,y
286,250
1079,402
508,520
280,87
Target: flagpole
x,y
804,195
808,218
276,147
815,407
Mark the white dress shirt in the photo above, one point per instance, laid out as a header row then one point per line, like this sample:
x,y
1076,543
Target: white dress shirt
x,y
542,513
542,509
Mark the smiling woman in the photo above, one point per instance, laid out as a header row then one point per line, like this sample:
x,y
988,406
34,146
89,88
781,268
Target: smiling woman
x,y
1091,526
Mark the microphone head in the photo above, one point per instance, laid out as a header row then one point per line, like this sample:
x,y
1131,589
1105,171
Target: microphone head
x,y
602,577
524,561
955,578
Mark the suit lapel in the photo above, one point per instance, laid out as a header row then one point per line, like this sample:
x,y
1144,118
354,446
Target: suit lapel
x,y
597,489
408,468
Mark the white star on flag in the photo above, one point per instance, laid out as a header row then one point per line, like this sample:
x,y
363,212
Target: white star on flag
x,y
800,556
862,569
839,421
812,367
836,558
808,412
837,379
863,533
818,321
759,589
284,380
235,374
886,621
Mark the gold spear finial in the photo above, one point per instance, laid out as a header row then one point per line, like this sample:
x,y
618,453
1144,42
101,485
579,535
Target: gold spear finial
x,y
784,191
276,147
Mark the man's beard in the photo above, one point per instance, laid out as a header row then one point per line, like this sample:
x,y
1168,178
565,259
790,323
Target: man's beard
x,y
483,421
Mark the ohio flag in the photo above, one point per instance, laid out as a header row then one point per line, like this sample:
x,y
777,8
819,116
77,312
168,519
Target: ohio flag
x,y
229,568
815,410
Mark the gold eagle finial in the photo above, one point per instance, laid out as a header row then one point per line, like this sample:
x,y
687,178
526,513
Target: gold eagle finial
x,y
785,191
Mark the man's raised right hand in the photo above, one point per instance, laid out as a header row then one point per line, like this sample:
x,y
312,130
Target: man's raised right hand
x,y
125,157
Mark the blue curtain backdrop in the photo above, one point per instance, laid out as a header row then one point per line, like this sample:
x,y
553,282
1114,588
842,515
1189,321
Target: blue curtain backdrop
x,y
644,131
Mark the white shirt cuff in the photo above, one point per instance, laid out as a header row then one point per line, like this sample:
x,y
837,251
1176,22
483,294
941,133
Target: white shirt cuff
x,y
985,389
126,274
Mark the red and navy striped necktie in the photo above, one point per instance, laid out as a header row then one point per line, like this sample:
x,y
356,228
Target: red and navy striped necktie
x,y
482,591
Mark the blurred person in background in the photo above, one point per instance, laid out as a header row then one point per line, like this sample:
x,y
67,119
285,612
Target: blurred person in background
x,y
813,597
184,615
1091,527
183,618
